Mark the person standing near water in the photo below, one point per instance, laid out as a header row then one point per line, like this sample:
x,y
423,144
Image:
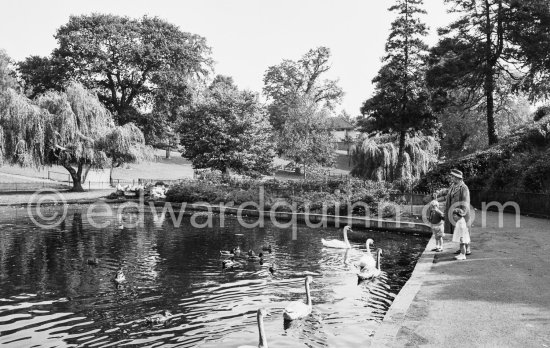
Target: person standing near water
x,y
436,218
458,196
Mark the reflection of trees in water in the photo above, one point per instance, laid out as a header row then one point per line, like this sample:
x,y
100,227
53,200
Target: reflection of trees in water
x,y
179,269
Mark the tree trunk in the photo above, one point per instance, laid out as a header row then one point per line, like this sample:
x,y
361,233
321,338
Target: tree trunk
x,y
77,186
111,176
489,87
489,81
399,168
76,175
168,152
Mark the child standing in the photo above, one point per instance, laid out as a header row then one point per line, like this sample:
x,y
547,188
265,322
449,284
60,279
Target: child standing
x,y
461,234
436,222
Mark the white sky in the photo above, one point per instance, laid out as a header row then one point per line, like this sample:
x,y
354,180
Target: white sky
x,y
246,36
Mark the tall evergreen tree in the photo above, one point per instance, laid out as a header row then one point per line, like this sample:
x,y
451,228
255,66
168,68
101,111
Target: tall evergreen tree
x,y
530,34
400,103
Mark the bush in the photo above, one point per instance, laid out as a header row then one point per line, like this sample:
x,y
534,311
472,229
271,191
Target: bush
x,y
192,192
537,176
312,194
518,162
388,209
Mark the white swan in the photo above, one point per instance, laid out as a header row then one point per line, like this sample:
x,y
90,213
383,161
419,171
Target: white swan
x,y
335,243
120,277
298,309
263,341
371,273
159,318
230,263
231,252
367,261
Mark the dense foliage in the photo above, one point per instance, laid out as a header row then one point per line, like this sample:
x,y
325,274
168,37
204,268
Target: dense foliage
x,y
520,162
305,137
375,157
126,61
285,82
227,129
315,196
464,127
491,40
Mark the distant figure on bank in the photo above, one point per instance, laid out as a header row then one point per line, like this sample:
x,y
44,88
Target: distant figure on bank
x,y
436,218
458,196
461,234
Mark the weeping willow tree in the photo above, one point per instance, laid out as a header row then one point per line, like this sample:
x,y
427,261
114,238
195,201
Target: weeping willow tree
x,y
71,129
376,157
125,144
22,127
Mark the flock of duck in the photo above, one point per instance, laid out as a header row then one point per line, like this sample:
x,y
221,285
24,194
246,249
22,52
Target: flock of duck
x,y
367,266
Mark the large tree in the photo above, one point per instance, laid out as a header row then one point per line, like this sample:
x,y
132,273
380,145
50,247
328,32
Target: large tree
x,y
122,59
490,40
529,32
305,137
401,102
41,74
464,127
285,82
226,129
69,128
161,126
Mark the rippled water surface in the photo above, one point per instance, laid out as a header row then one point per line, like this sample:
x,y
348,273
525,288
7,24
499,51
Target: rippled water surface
x,y
51,297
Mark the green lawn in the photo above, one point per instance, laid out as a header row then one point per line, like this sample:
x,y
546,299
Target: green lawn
x,y
174,168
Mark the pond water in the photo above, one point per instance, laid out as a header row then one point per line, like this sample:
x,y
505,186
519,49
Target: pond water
x,y
51,297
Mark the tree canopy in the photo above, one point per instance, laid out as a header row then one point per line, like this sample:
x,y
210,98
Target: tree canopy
x,y
124,60
295,79
226,129
305,137
490,41
376,157
529,31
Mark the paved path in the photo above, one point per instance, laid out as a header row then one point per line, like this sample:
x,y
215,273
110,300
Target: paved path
x,y
498,297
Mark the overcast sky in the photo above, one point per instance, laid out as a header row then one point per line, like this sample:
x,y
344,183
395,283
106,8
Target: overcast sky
x,y
246,36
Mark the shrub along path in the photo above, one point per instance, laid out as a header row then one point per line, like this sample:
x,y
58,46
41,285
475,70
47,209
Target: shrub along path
x,y
498,297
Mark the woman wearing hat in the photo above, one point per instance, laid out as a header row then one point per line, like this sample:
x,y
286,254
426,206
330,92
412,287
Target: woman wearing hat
x,y
458,196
